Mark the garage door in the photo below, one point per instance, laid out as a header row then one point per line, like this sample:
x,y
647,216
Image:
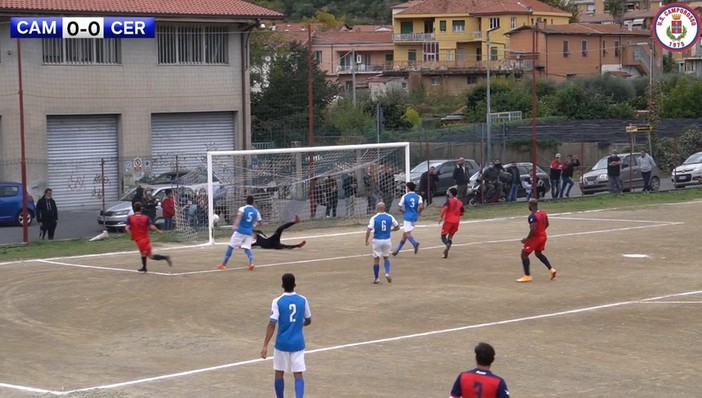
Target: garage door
x,y
189,136
76,145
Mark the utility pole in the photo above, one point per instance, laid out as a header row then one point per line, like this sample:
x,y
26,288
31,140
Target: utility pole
x,y
489,110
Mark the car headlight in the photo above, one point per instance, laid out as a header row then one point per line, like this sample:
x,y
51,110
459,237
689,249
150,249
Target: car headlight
x,y
122,212
602,177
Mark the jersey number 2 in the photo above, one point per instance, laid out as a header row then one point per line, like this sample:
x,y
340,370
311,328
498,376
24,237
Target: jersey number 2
x,y
293,311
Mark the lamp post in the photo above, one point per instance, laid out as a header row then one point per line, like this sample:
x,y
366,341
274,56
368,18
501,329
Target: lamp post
x,y
489,110
353,76
534,180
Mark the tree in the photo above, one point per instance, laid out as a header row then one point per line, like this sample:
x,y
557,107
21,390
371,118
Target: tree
x,y
282,104
615,9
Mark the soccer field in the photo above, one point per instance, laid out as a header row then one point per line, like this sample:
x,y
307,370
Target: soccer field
x,y
622,318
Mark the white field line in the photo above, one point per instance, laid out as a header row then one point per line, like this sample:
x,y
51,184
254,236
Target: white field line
x,y
362,231
652,224
357,344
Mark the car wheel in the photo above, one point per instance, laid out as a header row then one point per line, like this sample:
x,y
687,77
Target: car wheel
x,y
19,220
655,183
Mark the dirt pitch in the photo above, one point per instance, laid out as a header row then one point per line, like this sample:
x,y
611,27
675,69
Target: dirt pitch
x,y
610,324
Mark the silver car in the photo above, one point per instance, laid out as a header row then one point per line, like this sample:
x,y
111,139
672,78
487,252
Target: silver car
x,y
115,217
596,179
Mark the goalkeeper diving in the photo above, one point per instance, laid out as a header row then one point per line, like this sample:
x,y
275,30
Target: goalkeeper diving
x,y
273,242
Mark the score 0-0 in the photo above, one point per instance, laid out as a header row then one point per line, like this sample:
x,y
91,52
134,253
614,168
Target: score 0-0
x,y
83,27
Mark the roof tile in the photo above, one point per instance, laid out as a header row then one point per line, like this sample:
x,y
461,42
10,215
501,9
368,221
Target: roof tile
x,y
223,8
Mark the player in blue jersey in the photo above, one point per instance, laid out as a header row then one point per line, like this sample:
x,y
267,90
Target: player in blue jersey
x,y
411,206
246,219
381,225
480,382
291,312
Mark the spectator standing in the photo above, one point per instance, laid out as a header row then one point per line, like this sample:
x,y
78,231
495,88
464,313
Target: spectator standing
x,y
370,181
526,184
47,214
556,167
149,202
349,187
168,206
516,181
427,184
647,164
480,379
461,177
386,185
331,190
568,167
614,168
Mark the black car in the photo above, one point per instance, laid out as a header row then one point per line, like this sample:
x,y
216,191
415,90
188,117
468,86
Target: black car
x,y
444,169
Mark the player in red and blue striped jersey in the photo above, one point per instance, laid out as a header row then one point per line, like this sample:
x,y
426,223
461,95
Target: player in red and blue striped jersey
x,y
480,382
381,225
291,312
451,215
535,241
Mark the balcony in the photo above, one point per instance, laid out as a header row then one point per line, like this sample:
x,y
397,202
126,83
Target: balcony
x,y
409,38
360,68
456,66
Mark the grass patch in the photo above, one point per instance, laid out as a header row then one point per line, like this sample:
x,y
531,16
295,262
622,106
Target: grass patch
x,y
121,242
73,247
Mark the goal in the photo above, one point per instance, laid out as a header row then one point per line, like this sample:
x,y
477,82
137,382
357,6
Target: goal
x,y
330,185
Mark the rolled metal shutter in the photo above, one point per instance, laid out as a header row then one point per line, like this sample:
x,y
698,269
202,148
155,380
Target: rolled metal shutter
x,y
189,136
75,147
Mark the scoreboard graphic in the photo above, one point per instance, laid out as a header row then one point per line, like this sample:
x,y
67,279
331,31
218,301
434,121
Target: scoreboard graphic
x,y
82,27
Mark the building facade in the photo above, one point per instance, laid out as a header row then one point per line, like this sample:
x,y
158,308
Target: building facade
x,y
130,107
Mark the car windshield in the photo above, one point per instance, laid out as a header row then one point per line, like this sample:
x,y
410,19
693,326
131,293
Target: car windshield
x,y
422,167
695,158
601,164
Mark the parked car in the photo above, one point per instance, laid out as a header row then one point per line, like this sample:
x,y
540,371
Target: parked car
x,y
524,172
11,204
115,216
688,173
596,179
444,169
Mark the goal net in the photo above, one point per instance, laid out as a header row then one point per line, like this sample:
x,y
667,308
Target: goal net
x,y
329,185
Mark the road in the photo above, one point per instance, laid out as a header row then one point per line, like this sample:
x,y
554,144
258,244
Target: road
x,y
83,224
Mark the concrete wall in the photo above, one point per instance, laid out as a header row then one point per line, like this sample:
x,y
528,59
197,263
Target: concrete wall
x,y
133,90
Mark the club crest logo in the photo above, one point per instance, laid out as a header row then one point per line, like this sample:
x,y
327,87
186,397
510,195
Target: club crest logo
x,y
676,27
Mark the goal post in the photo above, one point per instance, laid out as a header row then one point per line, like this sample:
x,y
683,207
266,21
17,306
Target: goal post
x,y
330,185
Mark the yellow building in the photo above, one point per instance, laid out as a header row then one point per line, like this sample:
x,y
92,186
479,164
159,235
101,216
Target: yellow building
x,y
440,34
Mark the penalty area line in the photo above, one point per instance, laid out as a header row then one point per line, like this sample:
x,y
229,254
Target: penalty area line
x,y
362,343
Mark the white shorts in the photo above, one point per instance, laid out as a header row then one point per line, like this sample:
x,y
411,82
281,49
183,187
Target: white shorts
x,y
241,240
408,226
381,247
289,361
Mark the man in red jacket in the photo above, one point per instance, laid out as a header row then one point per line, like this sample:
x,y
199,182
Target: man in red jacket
x,y
451,216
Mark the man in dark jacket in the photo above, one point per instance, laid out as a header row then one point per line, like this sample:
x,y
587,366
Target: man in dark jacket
x,y
460,176
427,185
567,175
47,214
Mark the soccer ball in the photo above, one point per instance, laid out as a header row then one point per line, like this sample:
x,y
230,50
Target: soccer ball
x,y
215,219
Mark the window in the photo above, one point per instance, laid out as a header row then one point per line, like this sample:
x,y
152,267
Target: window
x,y
411,55
566,52
604,47
472,79
436,80
318,56
192,44
449,55
442,26
583,47
494,23
430,51
81,51
459,26
617,50
493,53
406,27
479,54
513,23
